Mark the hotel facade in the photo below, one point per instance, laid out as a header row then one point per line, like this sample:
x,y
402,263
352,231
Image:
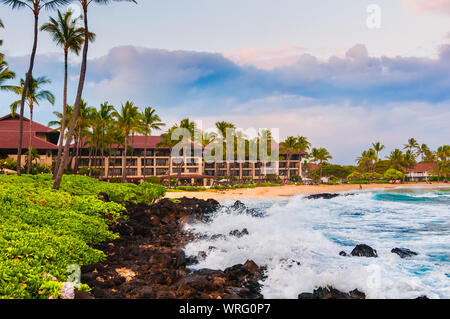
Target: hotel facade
x,y
155,162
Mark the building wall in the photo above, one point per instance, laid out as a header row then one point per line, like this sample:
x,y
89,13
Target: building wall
x,y
159,166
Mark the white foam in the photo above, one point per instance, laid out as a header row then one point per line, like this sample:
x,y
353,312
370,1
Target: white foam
x,y
313,232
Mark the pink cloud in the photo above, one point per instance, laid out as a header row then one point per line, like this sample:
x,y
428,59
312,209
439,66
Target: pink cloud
x,y
267,58
422,6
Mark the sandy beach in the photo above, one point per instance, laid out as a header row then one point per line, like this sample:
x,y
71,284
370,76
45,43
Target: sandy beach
x,y
288,191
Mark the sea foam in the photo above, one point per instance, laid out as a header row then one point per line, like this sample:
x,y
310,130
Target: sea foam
x,y
299,241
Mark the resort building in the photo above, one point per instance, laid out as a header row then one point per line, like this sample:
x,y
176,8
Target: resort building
x,y
421,172
155,162
43,139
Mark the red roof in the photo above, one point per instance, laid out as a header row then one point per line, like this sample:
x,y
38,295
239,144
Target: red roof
x,y
9,133
9,123
11,141
422,167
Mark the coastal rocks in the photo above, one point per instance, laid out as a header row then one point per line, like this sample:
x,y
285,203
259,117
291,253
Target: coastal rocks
x,y
404,252
322,196
364,251
240,208
236,282
360,251
332,293
239,234
147,260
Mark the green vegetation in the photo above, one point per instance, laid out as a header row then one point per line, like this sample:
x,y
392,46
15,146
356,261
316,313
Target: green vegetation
x,y
394,175
43,231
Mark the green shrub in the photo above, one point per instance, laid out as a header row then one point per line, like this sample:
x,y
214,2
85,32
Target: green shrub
x,y
43,231
191,188
393,175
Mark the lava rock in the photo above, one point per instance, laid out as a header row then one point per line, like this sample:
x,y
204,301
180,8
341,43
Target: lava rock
x,y
404,252
364,251
332,293
322,196
239,234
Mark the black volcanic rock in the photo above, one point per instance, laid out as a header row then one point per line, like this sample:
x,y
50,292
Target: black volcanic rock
x,y
239,234
404,252
364,251
322,196
331,293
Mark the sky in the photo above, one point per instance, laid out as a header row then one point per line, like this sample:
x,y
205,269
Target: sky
x,y
312,68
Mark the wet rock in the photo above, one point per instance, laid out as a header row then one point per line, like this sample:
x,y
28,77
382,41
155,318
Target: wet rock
x,y
191,260
364,251
240,208
148,261
404,252
332,293
322,196
239,234
343,254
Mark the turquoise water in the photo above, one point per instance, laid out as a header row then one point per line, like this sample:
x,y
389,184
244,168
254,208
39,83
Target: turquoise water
x,y
313,232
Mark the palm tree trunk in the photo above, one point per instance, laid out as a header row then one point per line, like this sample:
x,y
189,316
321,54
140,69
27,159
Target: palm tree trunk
x,y
63,120
24,92
124,160
76,107
31,136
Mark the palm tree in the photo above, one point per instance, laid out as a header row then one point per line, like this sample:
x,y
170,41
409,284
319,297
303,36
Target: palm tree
x,y
322,156
208,138
82,124
396,159
412,144
191,127
85,5
368,160
443,154
303,145
128,121
150,121
377,147
33,96
105,115
222,128
409,159
423,150
65,33
167,141
35,6
288,146
5,72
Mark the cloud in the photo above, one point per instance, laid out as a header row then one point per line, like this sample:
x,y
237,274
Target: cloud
x,y
422,6
343,103
267,58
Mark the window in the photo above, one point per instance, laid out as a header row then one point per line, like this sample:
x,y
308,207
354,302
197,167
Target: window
x,y
147,162
115,171
148,171
115,162
132,171
131,162
161,162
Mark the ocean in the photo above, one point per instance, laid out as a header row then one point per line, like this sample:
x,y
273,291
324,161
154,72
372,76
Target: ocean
x,y
299,241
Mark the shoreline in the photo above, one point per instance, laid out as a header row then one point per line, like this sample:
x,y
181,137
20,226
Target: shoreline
x,y
291,190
